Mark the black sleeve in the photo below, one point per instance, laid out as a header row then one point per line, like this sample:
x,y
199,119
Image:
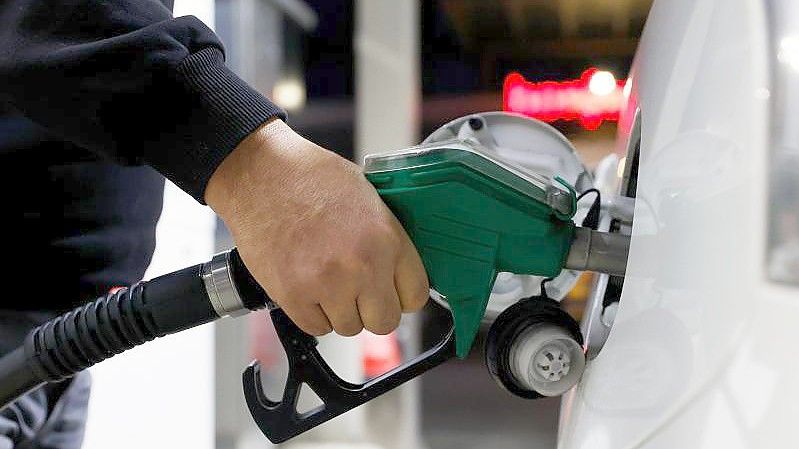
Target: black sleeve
x,y
125,79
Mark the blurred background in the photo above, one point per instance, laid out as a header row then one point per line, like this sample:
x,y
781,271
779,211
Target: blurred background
x,y
364,76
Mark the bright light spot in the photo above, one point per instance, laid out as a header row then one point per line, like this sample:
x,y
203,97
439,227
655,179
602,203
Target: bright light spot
x,y
621,166
602,83
761,93
628,87
201,9
289,94
789,52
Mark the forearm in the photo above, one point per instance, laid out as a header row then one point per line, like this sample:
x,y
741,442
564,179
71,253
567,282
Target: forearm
x,y
125,79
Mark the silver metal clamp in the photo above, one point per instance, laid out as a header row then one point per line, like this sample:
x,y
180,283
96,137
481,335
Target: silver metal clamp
x,y
217,276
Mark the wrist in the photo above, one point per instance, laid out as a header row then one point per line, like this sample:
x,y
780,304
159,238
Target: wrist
x,y
253,156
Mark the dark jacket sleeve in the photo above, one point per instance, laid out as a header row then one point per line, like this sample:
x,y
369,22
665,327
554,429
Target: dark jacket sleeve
x,y
127,80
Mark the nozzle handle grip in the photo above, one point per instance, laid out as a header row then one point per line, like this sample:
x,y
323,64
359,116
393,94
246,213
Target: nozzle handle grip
x,y
280,420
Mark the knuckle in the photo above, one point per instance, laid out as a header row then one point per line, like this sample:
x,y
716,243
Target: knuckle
x,y
359,264
354,264
324,270
382,235
391,236
329,267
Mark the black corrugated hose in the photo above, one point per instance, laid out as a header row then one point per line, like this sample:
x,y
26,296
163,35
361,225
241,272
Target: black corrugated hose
x,y
76,340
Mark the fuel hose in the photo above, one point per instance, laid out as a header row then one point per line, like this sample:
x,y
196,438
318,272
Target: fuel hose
x,y
128,317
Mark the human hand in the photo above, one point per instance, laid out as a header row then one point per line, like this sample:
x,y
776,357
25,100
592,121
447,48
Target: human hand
x,y
316,235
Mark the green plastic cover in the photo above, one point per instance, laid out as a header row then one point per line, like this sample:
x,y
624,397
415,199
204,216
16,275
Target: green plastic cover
x,y
471,216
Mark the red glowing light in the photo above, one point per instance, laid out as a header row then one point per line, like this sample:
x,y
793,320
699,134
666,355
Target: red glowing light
x,y
550,101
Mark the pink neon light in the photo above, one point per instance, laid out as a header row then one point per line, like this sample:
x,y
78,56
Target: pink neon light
x,y
563,100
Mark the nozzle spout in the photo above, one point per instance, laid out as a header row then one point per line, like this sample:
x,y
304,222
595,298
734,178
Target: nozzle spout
x,y
602,252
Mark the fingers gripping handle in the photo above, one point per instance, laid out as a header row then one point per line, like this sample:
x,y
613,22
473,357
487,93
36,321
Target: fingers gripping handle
x,y
280,421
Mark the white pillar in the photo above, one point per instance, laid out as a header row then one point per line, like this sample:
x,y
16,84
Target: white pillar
x,y
255,50
387,100
387,76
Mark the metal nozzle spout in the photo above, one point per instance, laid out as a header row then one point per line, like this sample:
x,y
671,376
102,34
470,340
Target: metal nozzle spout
x,y
602,252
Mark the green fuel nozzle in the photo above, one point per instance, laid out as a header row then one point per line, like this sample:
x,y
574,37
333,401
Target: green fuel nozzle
x,y
473,214
471,217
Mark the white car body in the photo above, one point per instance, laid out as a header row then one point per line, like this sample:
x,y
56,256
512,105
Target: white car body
x,y
701,351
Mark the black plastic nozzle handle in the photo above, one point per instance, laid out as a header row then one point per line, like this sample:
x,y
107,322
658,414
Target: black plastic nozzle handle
x,y
280,420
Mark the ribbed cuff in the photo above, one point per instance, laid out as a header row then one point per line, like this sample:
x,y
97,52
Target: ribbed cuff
x,y
224,111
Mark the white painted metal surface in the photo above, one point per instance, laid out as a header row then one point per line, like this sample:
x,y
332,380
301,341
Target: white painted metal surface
x,y
700,355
